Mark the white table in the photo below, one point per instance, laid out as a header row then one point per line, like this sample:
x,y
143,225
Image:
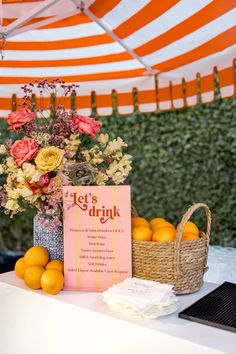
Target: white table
x,y
32,322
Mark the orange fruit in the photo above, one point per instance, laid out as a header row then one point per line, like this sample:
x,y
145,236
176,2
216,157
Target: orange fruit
x,y
20,267
162,224
138,221
32,277
52,281
189,236
164,234
142,233
36,255
190,227
55,264
156,221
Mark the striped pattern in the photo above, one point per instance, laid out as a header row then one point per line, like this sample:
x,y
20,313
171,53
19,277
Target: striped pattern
x,y
187,41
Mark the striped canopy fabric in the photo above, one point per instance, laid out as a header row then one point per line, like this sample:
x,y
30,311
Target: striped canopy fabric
x,y
171,52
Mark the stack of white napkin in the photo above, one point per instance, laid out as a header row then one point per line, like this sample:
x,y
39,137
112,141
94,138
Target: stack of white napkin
x,y
143,298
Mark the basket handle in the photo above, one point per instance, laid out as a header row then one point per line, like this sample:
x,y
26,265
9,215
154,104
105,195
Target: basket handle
x,y
182,224
134,212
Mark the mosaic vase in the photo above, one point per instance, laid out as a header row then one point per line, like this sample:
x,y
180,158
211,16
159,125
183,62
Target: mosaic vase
x,y
50,239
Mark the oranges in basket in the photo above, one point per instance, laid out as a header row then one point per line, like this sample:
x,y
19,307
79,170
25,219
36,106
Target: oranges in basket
x,y
37,272
160,230
164,234
142,233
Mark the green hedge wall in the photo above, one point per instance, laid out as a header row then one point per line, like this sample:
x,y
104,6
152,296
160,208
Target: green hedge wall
x,y
180,157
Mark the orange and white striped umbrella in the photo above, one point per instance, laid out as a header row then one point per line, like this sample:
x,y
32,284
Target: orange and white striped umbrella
x,y
167,50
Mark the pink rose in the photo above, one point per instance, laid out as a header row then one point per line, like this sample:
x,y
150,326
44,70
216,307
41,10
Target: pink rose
x,y
24,150
86,125
20,117
43,180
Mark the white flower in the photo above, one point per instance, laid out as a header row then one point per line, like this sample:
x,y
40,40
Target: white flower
x,y
96,160
26,192
10,162
118,155
75,143
20,177
12,205
3,149
10,179
114,146
126,159
72,144
113,167
103,139
28,195
46,136
28,168
2,170
95,150
32,198
127,169
118,177
13,194
74,137
36,176
125,163
119,170
96,156
86,155
101,179
30,173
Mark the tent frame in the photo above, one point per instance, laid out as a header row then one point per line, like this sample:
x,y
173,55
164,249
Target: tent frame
x,y
106,28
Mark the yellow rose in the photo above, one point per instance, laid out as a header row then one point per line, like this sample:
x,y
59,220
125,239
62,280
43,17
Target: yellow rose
x,y
49,159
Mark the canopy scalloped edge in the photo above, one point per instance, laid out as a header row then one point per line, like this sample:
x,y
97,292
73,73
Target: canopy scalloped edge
x,y
148,95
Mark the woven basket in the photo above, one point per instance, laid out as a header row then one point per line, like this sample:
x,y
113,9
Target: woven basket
x,y
180,263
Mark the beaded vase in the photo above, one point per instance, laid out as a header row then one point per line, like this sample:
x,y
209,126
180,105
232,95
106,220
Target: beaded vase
x,y
50,239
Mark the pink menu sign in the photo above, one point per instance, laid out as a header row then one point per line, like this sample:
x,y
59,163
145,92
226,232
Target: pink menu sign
x,y
97,236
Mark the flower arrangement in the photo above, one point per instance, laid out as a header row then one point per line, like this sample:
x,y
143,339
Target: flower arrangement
x,y
56,149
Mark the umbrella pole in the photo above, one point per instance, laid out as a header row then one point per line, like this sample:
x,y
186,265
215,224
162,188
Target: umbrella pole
x,y
106,28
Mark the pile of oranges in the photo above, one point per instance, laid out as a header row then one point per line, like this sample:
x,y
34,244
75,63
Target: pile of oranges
x,y
160,230
37,272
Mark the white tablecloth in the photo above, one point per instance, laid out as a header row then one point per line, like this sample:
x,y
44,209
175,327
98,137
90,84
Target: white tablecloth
x,y
222,265
32,322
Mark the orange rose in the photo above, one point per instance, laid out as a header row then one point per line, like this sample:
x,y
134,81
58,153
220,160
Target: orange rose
x,y
24,150
19,118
